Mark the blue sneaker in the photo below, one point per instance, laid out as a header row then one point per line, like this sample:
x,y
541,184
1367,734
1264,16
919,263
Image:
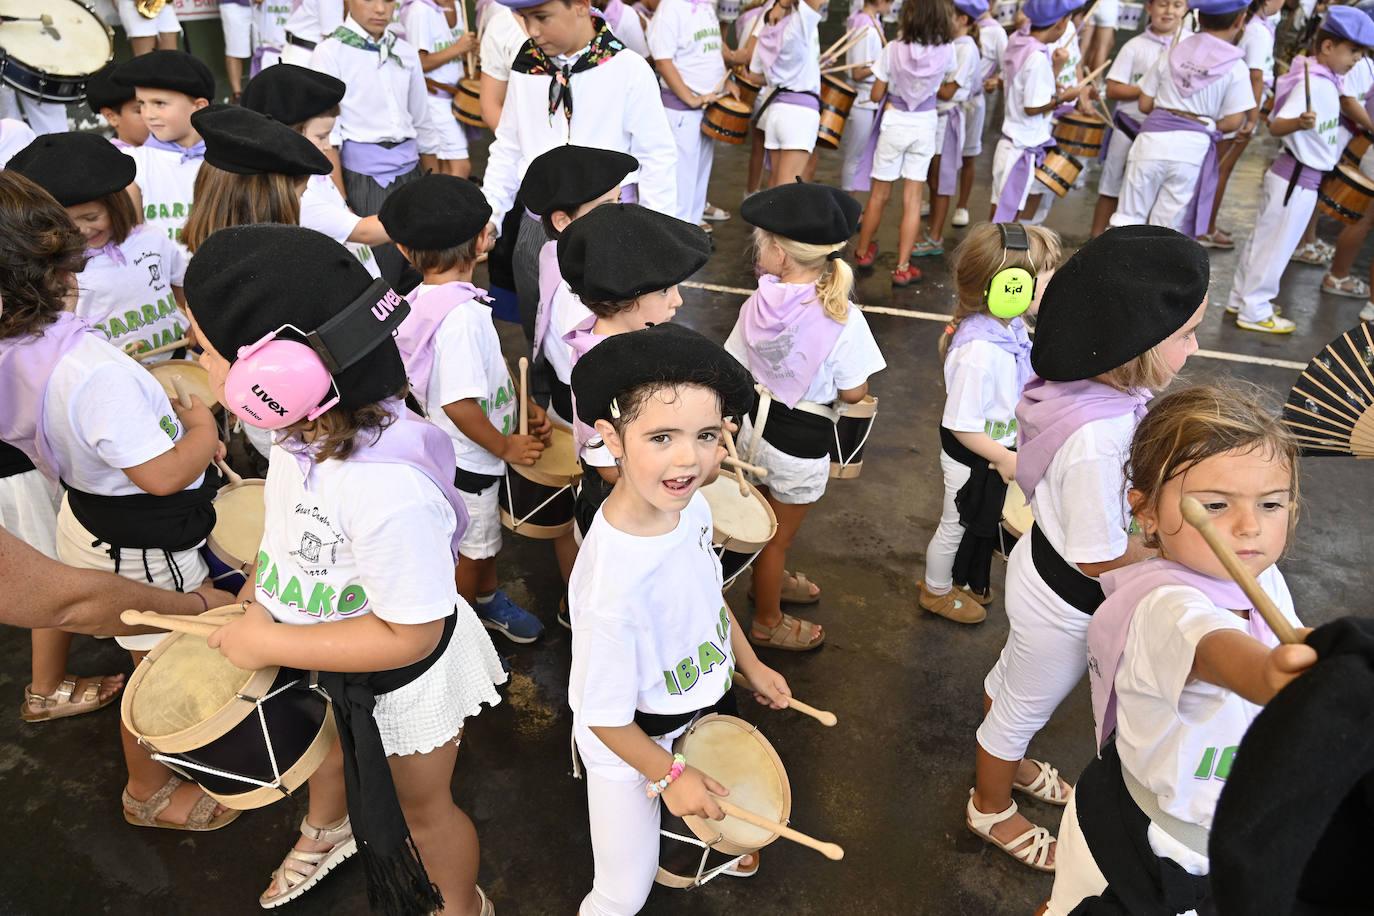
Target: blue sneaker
x,y
509,619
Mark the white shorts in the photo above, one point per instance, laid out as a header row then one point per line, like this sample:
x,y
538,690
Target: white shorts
x,y
295,54
453,143
238,30
906,144
28,510
789,127
1114,165
482,539
975,117
136,26
1104,13
792,480
150,566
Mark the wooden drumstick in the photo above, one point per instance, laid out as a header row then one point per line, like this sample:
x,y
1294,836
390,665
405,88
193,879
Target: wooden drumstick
x,y
1195,515
842,47
228,472
183,395
827,719
188,625
165,348
830,51
1095,74
734,458
830,850
1307,84
866,63
740,464
524,385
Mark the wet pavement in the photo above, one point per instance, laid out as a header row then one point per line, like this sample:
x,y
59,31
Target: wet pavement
x,y
888,783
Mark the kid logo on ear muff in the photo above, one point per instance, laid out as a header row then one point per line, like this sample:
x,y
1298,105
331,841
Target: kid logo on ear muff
x,y
1011,290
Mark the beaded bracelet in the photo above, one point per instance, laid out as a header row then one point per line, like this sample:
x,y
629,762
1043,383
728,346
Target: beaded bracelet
x,y
655,789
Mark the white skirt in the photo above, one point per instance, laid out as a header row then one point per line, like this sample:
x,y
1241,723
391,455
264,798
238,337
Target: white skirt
x,y
28,510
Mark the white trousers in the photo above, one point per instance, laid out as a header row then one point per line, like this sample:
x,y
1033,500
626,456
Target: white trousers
x,y
1275,236
1004,158
975,117
695,153
28,510
624,827
1155,192
1114,165
1045,656
945,542
857,130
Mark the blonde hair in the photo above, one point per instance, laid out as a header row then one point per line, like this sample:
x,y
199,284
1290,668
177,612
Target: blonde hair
x,y
981,255
224,199
836,282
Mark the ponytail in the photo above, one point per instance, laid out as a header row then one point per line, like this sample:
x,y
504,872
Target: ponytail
x,y
835,284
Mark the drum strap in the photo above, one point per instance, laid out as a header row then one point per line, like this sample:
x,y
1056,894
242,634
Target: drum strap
x,y
803,431
781,90
1065,580
657,725
300,42
472,482
436,87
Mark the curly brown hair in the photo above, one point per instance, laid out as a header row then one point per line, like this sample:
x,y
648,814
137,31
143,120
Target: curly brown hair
x,y
334,433
41,251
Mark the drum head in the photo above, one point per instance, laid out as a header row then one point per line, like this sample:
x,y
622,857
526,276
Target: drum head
x,y
743,522
240,517
735,754
85,46
866,408
557,465
1016,515
193,375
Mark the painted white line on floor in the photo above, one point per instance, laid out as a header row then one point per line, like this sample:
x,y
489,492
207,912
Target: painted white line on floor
x,y
935,316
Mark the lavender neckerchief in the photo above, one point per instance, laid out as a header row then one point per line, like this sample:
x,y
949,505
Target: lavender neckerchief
x,y
1200,60
770,40
858,19
613,13
1197,217
26,365
1126,588
432,4
581,339
916,71
1050,412
788,335
1010,337
550,278
1291,80
109,250
409,440
994,65
415,336
1020,46
1009,202
187,153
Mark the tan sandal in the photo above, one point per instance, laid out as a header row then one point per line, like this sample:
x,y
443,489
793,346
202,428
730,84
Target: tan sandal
x,y
1038,840
796,589
786,635
300,871
1047,786
64,701
200,819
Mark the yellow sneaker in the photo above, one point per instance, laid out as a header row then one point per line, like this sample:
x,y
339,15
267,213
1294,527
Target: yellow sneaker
x,y
1274,324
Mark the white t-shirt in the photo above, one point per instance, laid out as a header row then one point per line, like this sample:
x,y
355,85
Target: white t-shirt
x,y
981,393
1133,61
502,39
688,34
14,136
314,19
1177,735
630,30
650,629
103,412
133,302
1316,148
167,184
868,47
1080,504
428,30
468,364
269,23
992,39
854,357
1356,85
965,72
1257,41
1067,77
798,64
1231,94
324,209
1031,87
365,538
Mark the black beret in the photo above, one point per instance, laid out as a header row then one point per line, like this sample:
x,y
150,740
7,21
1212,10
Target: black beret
x,y
1291,832
103,92
74,167
247,281
620,251
292,94
566,177
815,214
665,354
1119,295
173,70
435,212
247,143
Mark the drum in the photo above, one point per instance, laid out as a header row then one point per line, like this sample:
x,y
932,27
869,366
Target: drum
x,y
743,523
851,435
1016,517
727,10
1080,134
537,500
51,60
738,756
193,376
1354,150
1345,193
726,120
1059,171
1128,16
748,85
239,520
837,98
248,738
467,103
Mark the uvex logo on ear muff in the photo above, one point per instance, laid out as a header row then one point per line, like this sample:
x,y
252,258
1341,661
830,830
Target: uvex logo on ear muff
x,y
1011,290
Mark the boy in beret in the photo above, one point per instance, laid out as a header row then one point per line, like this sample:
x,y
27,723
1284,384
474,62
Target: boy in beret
x,y
170,86
1289,195
453,358
118,105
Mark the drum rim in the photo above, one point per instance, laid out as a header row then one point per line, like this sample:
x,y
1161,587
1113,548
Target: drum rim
x,y
729,541
830,81
545,477
711,832
216,546
295,776
157,368
723,104
863,410
80,80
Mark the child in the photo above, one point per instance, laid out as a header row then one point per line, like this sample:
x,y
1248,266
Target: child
x,y
1029,72
1356,86
646,599
1136,58
862,116
170,87
145,33
440,34
949,133
1289,195
911,73
132,463
992,42
308,102
1100,347
118,105
354,575
627,24
310,22
269,34
236,18
1181,662
808,346
787,55
501,37
1198,90
999,270
130,288
453,357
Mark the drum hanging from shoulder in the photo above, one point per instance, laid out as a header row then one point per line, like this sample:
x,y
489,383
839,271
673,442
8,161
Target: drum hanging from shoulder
x,y
240,515
837,99
742,523
193,375
748,86
727,120
1345,193
51,46
537,500
852,430
1016,518
1080,134
467,103
1359,145
1059,171
248,738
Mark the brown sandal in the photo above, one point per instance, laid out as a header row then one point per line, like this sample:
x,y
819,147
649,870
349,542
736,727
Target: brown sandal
x,y
787,635
200,819
796,589
65,701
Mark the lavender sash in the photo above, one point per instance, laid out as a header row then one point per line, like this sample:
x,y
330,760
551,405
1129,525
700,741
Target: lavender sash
x,y
1050,412
863,169
951,150
1009,201
670,100
1287,167
1199,213
381,163
26,364
415,336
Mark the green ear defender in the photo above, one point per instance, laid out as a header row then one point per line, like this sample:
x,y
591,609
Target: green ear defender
x,y
1011,290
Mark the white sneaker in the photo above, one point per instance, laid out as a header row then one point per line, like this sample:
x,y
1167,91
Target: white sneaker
x,y
960,217
1367,313
1274,324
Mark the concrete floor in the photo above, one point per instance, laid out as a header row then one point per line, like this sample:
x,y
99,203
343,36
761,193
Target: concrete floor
x,y
889,783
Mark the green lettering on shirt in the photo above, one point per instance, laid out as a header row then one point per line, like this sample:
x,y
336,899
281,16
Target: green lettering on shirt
x,y
687,674
321,601
708,656
291,595
352,600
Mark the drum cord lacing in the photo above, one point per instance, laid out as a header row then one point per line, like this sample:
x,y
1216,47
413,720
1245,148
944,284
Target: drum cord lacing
x,y
703,873
839,449
517,522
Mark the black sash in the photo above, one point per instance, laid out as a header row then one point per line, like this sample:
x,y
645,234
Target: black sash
x,y
980,502
656,726
142,521
472,482
560,398
1064,579
13,462
797,432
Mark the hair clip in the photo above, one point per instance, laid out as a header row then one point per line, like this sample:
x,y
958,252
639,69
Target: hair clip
x,y
615,409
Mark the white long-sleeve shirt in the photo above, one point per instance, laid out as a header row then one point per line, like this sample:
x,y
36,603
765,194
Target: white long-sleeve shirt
x,y
313,20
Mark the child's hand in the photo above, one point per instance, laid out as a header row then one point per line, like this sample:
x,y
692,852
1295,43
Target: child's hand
x,y
1307,120
467,43
522,449
691,793
541,427
242,640
1006,466
769,687
991,84
1059,58
195,416
1284,664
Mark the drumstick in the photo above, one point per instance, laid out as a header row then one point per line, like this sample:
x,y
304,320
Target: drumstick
x,y
1095,74
734,457
228,472
1195,515
829,850
183,395
740,464
188,625
827,719
1307,84
842,47
524,384
165,348
829,52
866,63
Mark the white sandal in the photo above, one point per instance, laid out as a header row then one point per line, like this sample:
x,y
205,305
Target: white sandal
x,y
1047,786
488,908
1037,840
300,871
